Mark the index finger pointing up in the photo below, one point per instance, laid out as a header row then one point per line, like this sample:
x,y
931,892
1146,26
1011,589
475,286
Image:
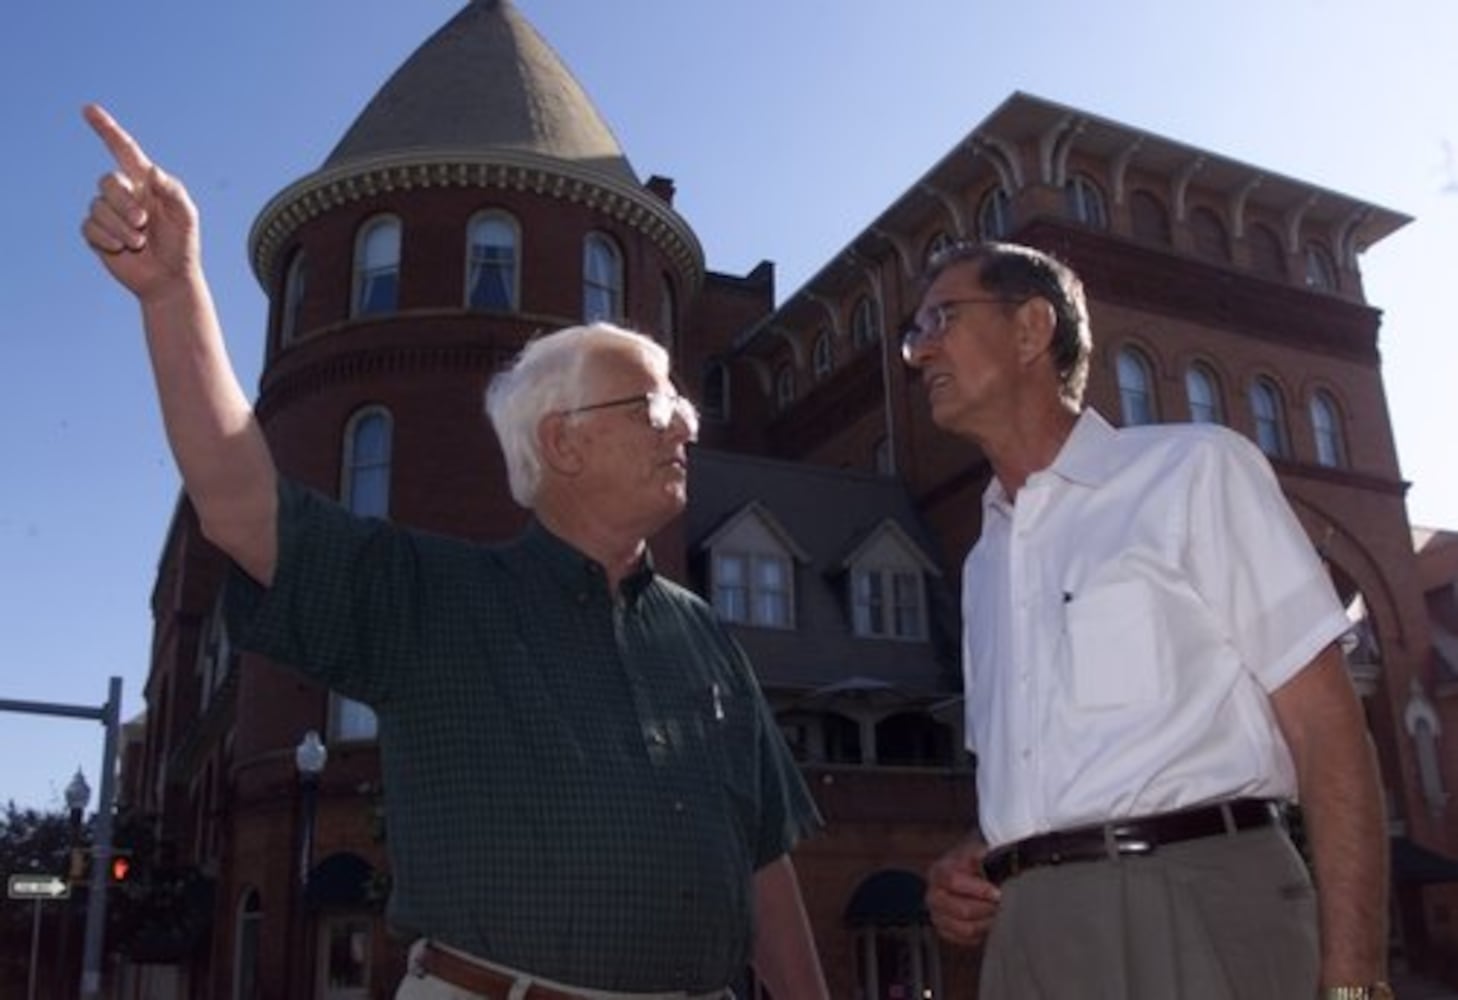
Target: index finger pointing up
x,y
129,156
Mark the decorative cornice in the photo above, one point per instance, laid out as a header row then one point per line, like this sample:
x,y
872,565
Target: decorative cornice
x,y
501,170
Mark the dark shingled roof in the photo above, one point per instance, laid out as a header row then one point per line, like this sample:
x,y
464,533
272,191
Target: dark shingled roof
x,y
485,81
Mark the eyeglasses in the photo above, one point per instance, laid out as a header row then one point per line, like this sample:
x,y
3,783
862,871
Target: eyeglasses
x,y
662,407
934,321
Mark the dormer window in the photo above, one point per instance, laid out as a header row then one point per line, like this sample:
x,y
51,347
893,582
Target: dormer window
x,y
887,603
886,585
752,569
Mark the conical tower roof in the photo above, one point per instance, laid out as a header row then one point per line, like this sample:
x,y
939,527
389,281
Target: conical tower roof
x,y
484,81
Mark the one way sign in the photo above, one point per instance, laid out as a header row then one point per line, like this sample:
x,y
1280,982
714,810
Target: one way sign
x,y
38,887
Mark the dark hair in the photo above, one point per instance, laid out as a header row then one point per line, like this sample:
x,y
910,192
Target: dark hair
x,y
1022,272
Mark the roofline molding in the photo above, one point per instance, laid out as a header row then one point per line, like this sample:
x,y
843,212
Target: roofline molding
x,y
499,169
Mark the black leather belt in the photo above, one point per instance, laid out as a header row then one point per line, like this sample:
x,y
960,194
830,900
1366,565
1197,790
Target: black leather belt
x,y
1141,835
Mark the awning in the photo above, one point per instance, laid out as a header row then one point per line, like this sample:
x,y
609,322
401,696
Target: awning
x,y
889,898
1414,864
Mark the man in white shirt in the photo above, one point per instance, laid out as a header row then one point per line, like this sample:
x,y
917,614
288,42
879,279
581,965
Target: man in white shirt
x,y
1151,674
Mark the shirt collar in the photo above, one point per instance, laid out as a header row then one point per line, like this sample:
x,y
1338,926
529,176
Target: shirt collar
x,y
1086,458
577,571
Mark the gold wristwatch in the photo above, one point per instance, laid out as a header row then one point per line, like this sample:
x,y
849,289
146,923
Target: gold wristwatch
x,y
1377,991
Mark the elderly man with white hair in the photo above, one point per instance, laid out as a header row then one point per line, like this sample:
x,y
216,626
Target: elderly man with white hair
x,y
588,796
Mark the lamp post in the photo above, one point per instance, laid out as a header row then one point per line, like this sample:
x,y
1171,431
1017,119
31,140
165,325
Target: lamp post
x,y
309,759
78,794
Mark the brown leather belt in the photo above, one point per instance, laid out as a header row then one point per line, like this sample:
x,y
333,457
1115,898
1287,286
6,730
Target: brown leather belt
x,y
1142,835
473,978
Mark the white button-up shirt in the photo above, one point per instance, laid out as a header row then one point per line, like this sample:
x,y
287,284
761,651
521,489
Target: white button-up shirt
x,y
1124,622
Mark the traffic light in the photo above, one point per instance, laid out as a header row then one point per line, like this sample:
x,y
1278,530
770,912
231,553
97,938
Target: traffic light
x,y
121,868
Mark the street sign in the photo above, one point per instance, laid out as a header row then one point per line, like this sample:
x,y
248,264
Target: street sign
x,y
38,887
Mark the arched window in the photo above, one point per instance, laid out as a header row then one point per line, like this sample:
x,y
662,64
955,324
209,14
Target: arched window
x,y
667,315
897,954
1321,272
366,491
491,262
245,946
936,245
784,387
1208,233
1267,256
295,282
1326,425
865,323
823,354
602,279
1204,396
1149,219
366,482
377,267
994,215
1136,388
1270,417
1086,202
715,393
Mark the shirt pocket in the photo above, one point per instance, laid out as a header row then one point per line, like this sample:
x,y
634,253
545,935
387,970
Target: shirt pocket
x,y
1115,645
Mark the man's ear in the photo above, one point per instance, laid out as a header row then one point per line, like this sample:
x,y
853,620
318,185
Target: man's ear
x,y
560,444
1036,322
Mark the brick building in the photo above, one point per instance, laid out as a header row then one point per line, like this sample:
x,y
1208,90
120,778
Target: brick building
x,y
478,198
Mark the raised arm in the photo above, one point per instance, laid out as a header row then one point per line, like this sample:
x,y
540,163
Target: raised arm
x,y
144,228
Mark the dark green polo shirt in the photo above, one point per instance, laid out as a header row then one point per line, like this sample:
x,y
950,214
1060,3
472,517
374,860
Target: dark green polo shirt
x,y
577,786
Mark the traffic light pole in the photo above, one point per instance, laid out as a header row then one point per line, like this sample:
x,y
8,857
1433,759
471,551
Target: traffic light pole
x,y
109,716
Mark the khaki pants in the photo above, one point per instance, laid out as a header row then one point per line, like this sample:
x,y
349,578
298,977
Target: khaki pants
x,y
1220,918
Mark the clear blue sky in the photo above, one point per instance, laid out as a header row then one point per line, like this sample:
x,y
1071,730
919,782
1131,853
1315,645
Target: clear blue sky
x,y
787,125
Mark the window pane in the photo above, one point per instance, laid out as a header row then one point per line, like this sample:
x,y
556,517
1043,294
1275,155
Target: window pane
x,y
994,215
367,466
731,588
1135,393
602,292
491,282
1270,421
1328,431
868,612
771,591
377,268
294,286
907,591
353,720
1204,402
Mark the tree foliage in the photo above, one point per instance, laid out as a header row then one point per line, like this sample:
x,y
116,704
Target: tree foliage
x,y
30,841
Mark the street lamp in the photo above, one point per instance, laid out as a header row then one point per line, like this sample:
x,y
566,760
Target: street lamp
x,y
309,758
78,794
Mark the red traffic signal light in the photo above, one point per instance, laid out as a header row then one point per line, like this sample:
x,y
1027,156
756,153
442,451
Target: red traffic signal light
x,y
121,867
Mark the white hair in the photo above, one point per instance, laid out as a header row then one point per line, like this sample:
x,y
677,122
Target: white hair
x,y
550,375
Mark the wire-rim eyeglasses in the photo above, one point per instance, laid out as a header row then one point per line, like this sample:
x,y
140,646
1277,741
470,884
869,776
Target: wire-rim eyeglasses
x,y
934,321
660,407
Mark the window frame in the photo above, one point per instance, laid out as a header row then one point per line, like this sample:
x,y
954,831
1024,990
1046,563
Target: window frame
x,y
1126,357
480,259
876,594
756,606
603,281
368,271
1274,423
1326,430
